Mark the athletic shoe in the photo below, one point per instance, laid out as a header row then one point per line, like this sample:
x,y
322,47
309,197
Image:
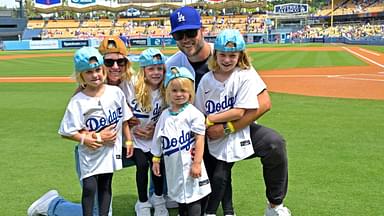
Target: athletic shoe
x,y
209,215
279,210
230,215
169,203
143,208
40,206
158,203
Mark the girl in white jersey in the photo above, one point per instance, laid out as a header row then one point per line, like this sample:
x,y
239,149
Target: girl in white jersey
x,y
95,107
179,137
223,95
145,95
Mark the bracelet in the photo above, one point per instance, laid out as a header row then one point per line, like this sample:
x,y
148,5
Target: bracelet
x,y
231,127
209,123
98,137
82,139
129,143
156,159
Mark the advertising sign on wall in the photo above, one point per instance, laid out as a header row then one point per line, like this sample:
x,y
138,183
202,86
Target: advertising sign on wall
x,y
47,3
291,8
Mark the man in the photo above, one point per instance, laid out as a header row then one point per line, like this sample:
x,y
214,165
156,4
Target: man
x,y
187,30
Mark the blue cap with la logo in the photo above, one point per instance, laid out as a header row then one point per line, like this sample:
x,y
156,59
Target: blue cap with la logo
x,y
185,18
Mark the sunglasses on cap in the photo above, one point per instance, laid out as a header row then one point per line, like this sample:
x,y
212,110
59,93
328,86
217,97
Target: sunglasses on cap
x,y
111,62
190,33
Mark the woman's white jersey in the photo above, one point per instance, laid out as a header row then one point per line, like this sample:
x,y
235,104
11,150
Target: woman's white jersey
x,y
93,114
240,90
174,139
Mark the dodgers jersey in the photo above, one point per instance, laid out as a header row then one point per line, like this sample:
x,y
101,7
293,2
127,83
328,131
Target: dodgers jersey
x,y
240,90
145,118
174,139
94,114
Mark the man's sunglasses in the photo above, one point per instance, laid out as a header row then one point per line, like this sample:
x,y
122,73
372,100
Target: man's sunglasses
x,y
111,62
179,35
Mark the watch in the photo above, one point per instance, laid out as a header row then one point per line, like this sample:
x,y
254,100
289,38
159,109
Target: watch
x,y
227,130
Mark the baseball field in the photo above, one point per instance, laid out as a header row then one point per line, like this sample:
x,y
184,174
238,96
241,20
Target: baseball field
x,y
328,102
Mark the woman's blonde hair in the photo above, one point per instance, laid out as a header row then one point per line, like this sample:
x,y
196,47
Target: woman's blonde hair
x,y
184,83
143,90
243,63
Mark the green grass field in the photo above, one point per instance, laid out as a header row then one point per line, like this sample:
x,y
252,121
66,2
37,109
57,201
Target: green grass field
x,y
334,147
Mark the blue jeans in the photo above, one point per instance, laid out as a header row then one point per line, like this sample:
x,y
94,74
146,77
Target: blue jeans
x,y
61,207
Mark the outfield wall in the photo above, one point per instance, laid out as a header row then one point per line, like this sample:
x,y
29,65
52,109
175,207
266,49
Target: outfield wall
x,y
168,41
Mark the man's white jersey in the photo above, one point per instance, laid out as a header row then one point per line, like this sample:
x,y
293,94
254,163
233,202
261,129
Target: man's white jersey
x,y
93,114
174,139
146,118
240,90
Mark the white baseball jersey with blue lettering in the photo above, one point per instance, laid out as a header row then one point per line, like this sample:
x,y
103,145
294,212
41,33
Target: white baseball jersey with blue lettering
x,y
240,90
94,114
174,139
145,118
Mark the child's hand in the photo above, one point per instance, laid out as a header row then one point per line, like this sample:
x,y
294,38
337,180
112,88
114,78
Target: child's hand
x,y
91,142
130,150
133,122
196,170
144,133
108,134
156,169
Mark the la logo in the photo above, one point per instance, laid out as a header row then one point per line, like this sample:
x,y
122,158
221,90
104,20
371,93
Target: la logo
x,y
180,17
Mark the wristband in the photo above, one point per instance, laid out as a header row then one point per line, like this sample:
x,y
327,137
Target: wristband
x,y
129,143
231,127
82,139
156,159
98,138
209,123
228,128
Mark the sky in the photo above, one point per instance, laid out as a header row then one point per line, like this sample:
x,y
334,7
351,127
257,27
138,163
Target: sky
x,y
9,3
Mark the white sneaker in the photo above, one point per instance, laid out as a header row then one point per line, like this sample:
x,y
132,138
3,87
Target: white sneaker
x,y
279,210
143,208
40,206
158,203
170,203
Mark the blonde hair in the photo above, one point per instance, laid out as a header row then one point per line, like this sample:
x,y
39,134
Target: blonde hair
x,y
80,79
184,83
143,90
243,63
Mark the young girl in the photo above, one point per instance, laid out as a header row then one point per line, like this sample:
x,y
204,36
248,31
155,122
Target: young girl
x,y
223,95
145,95
95,107
179,137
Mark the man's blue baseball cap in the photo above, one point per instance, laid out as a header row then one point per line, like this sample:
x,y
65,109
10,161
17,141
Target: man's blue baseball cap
x,y
177,72
82,57
185,18
229,40
151,56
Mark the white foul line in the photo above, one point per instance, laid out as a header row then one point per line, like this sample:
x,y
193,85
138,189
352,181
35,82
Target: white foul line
x,y
370,52
370,60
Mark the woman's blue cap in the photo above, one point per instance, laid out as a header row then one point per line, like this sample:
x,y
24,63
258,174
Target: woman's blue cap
x,y
151,56
177,72
82,57
229,40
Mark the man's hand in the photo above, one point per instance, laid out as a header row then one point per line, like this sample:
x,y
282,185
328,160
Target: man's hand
x,y
215,131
